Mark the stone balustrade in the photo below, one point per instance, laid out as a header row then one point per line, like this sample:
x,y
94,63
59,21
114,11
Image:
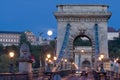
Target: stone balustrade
x,y
14,76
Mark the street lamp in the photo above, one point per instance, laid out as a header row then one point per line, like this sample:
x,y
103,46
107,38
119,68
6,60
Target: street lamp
x,y
65,63
116,65
82,50
101,57
48,56
54,58
65,60
11,54
48,61
11,69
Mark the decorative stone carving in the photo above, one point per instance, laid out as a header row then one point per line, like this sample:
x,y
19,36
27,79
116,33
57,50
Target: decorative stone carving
x,y
25,63
83,19
24,52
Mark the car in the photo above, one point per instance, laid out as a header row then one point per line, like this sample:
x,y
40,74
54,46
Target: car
x,y
81,73
78,73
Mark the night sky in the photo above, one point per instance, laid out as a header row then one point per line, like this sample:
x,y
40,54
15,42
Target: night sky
x,y
37,15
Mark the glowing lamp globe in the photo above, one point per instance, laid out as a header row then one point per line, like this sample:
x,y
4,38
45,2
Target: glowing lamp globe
x,y
11,54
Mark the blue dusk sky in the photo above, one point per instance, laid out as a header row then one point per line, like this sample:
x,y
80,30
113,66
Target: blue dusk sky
x,y
37,15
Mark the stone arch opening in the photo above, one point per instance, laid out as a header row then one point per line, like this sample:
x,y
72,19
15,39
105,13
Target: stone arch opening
x,y
82,46
82,40
86,64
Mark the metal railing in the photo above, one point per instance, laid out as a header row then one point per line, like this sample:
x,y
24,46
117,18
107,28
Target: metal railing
x,y
110,75
107,75
50,75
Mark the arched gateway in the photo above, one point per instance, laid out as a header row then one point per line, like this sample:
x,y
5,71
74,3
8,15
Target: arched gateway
x,y
87,23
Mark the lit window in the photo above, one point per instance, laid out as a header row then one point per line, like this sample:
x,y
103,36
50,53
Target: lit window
x,y
11,40
14,40
8,40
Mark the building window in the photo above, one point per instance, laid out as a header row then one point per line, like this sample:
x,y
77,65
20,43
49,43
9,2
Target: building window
x,y
8,40
3,40
11,40
14,40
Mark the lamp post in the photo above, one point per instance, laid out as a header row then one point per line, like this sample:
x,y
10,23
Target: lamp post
x,y
11,68
55,58
116,65
48,56
82,51
101,57
48,62
65,63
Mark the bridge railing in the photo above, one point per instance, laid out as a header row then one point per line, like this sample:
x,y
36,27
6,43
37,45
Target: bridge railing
x,y
107,75
110,75
21,76
50,75
14,76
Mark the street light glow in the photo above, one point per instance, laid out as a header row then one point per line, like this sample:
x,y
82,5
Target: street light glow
x,y
48,56
99,58
102,56
82,50
46,59
55,58
49,60
11,54
65,60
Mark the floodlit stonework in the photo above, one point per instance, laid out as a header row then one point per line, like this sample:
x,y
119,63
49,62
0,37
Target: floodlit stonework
x,y
82,19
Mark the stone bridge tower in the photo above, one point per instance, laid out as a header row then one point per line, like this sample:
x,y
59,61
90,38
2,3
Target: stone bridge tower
x,y
86,21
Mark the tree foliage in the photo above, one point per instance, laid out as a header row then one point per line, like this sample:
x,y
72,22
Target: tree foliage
x,y
114,48
1,49
4,63
40,52
23,39
81,42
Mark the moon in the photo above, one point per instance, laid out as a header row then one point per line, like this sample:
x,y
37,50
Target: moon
x,y
49,32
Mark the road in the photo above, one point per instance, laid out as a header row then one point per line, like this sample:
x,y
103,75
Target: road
x,y
73,77
78,77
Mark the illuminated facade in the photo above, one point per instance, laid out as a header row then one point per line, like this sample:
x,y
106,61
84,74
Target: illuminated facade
x,y
31,37
8,38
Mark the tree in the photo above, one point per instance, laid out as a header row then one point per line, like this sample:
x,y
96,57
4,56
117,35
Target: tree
x,y
1,49
23,39
114,47
4,63
40,52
